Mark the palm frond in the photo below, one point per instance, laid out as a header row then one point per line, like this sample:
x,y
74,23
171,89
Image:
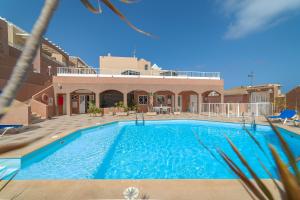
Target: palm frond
x,y
258,144
122,17
260,184
129,1
281,191
287,151
90,7
289,181
205,147
242,176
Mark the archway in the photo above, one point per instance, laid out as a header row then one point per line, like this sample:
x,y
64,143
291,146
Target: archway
x,y
81,100
211,96
165,99
188,101
139,100
109,98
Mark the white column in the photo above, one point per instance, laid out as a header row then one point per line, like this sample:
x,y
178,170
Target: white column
x,y
199,103
125,99
176,102
97,97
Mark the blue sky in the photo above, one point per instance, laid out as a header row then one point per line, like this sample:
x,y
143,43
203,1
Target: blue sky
x,y
233,37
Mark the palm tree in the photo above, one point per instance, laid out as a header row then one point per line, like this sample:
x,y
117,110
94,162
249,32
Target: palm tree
x,y
32,44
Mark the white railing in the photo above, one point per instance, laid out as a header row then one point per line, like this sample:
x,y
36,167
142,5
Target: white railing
x,y
76,71
71,71
236,109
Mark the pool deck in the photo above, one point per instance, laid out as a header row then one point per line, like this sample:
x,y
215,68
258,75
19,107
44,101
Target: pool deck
x,y
46,132
113,189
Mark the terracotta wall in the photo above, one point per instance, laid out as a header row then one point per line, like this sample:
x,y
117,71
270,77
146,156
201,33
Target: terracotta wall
x,y
18,113
293,99
242,98
43,103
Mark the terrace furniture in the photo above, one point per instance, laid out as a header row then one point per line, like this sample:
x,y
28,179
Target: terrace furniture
x,y
285,115
162,109
122,113
157,109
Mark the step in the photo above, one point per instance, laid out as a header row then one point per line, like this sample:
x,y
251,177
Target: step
x,y
2,167
8,172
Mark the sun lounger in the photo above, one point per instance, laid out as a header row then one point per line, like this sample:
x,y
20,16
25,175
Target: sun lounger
x,y
285,115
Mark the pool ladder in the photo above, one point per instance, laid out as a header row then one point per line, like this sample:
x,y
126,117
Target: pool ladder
x,y
137,120
253,122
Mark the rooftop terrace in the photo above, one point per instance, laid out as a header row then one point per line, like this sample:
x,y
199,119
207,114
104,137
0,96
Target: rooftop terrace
x,y
132,73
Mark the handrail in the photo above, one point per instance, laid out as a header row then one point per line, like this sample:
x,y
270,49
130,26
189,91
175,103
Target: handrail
x,y
5,130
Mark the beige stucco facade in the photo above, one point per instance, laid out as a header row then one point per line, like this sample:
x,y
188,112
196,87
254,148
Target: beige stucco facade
x,y
118,65
160,86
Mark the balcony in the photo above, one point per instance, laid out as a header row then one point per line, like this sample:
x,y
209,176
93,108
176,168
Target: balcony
x,y
93,72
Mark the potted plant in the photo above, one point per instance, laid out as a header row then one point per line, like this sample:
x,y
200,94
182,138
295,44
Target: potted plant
x,y
92,110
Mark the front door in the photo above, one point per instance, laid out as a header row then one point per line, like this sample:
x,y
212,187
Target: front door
x,y
193,103
61,103
82,104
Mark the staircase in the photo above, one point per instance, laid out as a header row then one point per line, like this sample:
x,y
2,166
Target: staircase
x,y
36,118
6,172
9,168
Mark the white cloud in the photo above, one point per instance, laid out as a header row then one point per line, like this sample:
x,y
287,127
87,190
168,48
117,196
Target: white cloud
x,y
250,16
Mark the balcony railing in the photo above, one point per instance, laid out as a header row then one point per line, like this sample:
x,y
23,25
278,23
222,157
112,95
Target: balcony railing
x,y
92,72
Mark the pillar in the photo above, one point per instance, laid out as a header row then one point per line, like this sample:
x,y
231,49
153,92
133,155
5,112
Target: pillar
x,y
68,104
176,103
199,103
222,98
125,99
97,96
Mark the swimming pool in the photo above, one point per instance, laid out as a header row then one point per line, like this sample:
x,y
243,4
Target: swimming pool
x,y
157,150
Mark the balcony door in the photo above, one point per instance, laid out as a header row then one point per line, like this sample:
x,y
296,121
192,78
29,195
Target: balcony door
x,y
82,104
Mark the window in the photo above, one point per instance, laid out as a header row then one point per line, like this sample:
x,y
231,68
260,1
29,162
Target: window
x,y
146,67
130,72
143,100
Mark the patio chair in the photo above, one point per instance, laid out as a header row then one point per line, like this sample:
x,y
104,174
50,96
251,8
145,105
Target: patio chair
x,y
285,115
165,110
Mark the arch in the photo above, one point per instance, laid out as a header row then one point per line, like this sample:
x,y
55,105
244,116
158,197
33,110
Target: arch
x,y
138,100
109,98
211,96
81,99
164,98
188,101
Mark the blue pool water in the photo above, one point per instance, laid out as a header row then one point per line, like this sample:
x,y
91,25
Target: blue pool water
x,y
158,150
